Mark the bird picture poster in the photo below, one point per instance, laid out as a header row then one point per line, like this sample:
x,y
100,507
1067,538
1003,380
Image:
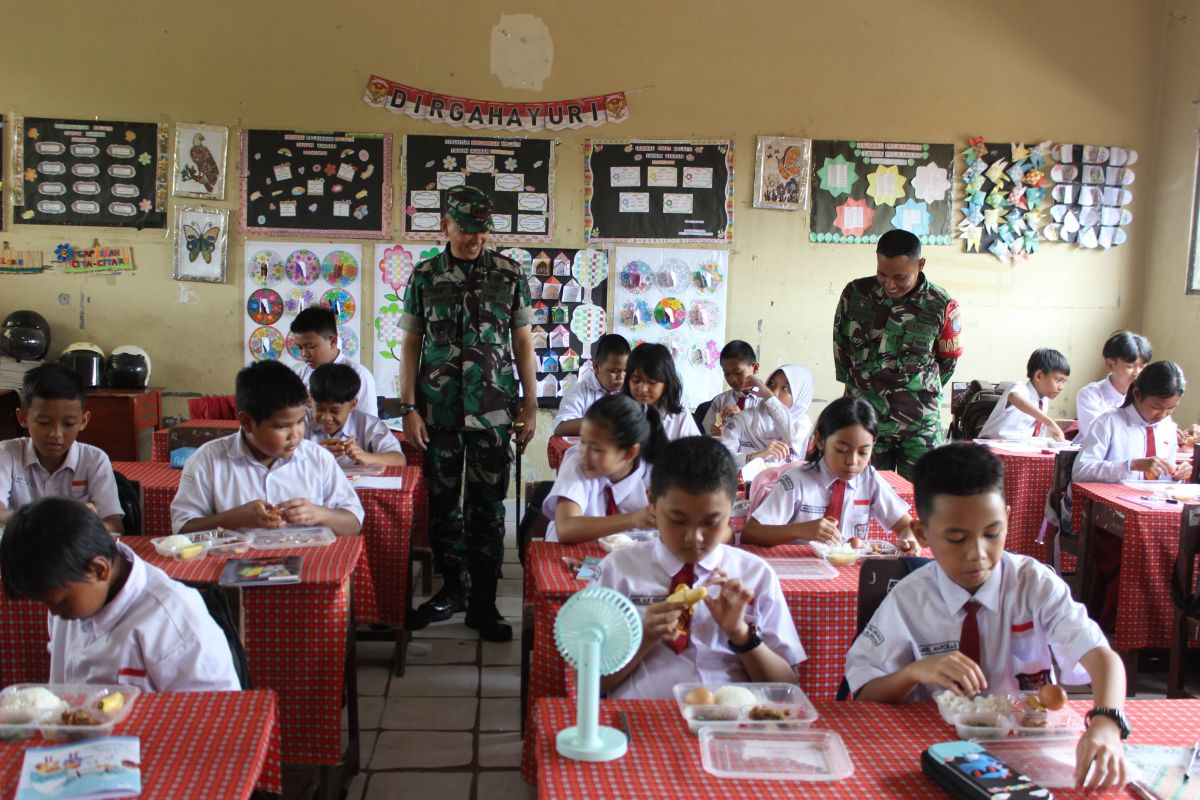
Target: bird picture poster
x,y
200,152
201,243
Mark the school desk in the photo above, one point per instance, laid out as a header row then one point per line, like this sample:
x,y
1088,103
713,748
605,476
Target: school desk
x,y
557,447
1028,479
884,741
297,637
193,745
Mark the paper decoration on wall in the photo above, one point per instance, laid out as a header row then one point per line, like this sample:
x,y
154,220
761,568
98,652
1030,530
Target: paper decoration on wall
x,y
200,152
1005,194
20,261
686,318
91,172
421,104
278,287
393,267
655,191
201,242
517,174
1090,195
97,258
861,190
297,183
541,339
781,173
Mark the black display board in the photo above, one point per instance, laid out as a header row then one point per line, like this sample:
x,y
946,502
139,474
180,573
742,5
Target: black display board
x,y
316,184
517,174
658,191
91,172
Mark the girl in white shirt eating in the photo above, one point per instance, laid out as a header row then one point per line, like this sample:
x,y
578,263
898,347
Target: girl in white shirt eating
x,y
1125,355
650,378
777,427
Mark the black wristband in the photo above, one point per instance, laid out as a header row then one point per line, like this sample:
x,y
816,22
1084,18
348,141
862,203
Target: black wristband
x,y
752,642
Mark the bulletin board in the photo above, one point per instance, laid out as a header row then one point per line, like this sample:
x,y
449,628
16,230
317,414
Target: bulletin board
x,y
91,172
862,190
316,184
517,174
394,264
655,191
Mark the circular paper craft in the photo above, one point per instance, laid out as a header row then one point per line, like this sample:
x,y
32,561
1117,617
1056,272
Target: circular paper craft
x,y
266,343
587,323
672,275
298,299
675,346
590,267
520,256
637,277
291,348
265,306
303,267
341,303
339,268
348,342
265,268
707,355
704,315
708,277
669,313
635,315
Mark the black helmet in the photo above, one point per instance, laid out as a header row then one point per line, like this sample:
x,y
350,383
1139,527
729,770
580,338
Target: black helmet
x,y
25,335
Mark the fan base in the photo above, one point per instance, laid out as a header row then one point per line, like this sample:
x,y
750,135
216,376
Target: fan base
x,y
612,745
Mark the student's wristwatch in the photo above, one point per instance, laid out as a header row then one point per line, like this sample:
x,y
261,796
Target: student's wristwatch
x,y
1115,715
752,641
404,409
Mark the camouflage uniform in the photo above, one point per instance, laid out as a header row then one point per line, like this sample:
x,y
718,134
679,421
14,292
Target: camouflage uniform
x,y
467,390
897,355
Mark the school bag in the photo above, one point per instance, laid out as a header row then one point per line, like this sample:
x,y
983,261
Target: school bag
x,y
969,411
129,497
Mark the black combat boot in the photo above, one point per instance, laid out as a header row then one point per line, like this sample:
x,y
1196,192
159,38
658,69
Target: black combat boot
x,y
448,601
482,614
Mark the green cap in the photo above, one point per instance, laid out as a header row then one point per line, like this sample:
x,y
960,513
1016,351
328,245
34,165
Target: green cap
x,y
470,208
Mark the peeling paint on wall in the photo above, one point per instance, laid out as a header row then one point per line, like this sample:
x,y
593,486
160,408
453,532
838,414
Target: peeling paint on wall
x,y
522,51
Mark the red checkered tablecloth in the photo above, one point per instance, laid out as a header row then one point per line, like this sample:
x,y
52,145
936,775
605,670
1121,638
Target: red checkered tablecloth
x,y
884,741
295,639
556,448
1028,478
193,745
160,446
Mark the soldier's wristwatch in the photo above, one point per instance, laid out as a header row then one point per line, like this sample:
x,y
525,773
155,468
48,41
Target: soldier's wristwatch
x,y
404,409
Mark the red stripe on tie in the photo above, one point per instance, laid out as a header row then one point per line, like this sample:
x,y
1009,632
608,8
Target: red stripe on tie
x,y
1024,626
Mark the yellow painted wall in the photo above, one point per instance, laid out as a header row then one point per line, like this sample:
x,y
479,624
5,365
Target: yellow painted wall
x,y
920,71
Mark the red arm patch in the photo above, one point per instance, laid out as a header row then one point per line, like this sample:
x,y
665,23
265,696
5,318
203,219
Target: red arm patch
x,y
950,339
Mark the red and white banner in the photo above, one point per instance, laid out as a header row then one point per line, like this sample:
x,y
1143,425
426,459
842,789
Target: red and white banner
x,y
495,115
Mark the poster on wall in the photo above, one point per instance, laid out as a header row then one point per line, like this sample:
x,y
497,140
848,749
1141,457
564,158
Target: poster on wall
x,y
569,292
200,161
284,278
1005,192
862,190
517,174
394,264
656,191
781,173
201,243
316,184
91,172
675,297
1090,195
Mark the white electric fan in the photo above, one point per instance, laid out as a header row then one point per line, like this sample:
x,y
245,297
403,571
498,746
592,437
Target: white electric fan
x,y
597,631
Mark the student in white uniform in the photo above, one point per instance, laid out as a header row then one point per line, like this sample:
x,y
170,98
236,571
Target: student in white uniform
x,y
601,486
50,462
1021,412
650,378
832,497
743,630
979,618
777,427
738,362
113,618
316,334
603,376
1126,354
335,423
266,475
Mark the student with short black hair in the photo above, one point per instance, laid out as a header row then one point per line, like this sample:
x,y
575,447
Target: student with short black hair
x,y
315,332
604,375
739,363
335,423
650,378
113,618
1021,412
1126,354
50,461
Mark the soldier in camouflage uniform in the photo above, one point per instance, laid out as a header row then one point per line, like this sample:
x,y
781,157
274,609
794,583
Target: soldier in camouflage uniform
x,y
896,340
467,317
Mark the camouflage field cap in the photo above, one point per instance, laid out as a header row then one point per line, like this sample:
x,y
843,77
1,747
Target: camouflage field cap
x,y
470,208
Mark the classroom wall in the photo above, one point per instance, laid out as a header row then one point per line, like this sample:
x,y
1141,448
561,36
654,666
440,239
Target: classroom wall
x,y
928,71
1170,315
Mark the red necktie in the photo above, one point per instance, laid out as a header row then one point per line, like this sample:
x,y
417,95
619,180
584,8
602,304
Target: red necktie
x,y
685,575
968,640
1037,426
838,498
610,503
741,403
1151,448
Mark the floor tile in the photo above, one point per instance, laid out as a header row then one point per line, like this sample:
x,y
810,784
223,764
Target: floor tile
x,y
372,680
419,785
357,787
503,785
510,607
500,682
501,652
455,680
430,713
453,628
500,714
443,651
370,709
378,653
422,749
510,587
500,749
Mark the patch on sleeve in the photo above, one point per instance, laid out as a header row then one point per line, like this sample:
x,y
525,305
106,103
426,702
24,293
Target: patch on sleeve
x,y
786,482
950,339
873,635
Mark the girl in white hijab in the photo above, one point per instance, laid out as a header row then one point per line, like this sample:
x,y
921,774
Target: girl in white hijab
x,y
776,429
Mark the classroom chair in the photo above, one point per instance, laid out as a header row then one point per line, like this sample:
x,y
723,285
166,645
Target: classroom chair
x,y
219,406
699,414
129,495
1061,537
1186,598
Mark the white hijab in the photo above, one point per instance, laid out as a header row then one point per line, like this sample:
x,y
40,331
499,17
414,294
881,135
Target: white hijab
x,y
800,379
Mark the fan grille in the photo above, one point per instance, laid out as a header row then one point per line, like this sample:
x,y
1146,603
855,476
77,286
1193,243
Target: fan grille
x,y
603,615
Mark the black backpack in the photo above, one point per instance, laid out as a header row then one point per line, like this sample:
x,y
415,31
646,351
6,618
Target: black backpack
x,y
970,409
221,610
129,496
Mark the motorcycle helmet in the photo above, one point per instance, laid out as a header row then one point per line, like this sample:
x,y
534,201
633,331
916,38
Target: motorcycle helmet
x,y
87,361
128,368
25,336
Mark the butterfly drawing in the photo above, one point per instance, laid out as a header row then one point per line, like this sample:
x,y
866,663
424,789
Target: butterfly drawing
x,y
788,166
201,243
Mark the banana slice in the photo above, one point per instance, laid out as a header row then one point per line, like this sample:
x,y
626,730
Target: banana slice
x,y
684,594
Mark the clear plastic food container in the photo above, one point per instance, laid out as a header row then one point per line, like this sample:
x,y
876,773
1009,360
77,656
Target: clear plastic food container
x,y
1049,761
620,541
801,569
776,705
982,725
288,538
951,706
765,753
80,716
217,542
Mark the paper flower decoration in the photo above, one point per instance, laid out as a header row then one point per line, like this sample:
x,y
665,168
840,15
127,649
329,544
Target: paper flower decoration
x,y
886,185
30,174
838,176
64,252
913,217
144,159
853,217
449,162
33,133
130,135
510,164
145,205
395,266
930,183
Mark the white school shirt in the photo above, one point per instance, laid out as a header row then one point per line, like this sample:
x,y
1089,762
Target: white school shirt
x,y
643,573
371,434
368,403
1115,439
751,430
1026,613
802,494
156,634
727,398
579,398
1093,400
677,426
1009,422
223,474
588,493
86,475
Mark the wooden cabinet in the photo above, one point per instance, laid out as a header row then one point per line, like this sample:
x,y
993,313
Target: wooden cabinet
x,y
123,422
